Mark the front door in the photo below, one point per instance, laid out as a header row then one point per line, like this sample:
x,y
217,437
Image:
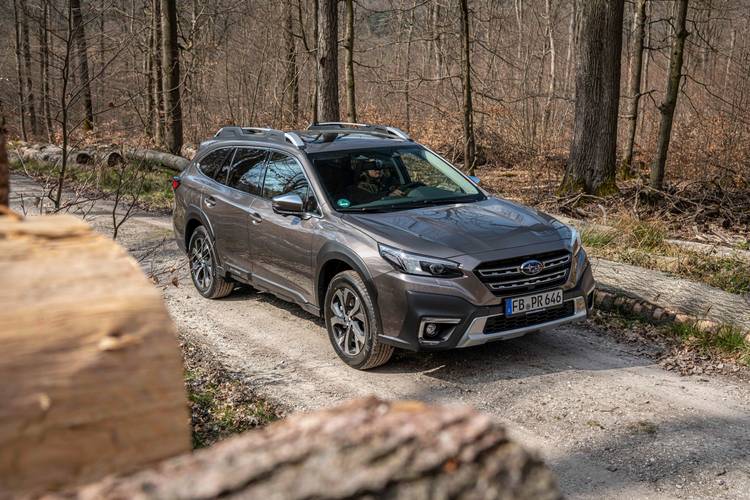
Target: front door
x,y
282,245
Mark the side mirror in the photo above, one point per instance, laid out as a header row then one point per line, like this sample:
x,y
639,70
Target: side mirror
x,y
475,179
287,204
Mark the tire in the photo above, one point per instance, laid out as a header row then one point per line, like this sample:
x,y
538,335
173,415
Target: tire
x,y
202,260
349,309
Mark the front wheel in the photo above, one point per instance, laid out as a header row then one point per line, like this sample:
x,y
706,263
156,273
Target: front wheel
x,y
352,323
203,266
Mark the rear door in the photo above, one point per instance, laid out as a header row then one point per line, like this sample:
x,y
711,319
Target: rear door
x,y
282,245
241,181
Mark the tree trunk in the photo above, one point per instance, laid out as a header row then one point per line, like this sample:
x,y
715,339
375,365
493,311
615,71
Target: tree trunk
x,y
316,51
351,106
4,169
547,113
593,152
468,110
19,69
634,85
667,107
44,69
328,71
29,91
171,68
149,72
292,78
438,37
158,74
79,34
365,448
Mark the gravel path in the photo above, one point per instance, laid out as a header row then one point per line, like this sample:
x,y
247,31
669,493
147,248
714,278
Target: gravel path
x,y
609,421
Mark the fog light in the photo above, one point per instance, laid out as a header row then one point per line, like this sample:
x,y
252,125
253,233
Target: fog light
x,y
430,330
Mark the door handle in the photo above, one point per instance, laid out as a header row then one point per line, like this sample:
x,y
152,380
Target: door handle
x,y
210,201
255,217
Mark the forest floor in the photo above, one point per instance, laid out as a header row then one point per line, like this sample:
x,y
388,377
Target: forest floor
x,y
600,401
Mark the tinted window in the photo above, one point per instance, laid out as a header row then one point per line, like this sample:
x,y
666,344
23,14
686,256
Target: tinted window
x,y
211,164
247,170
223,172
284,175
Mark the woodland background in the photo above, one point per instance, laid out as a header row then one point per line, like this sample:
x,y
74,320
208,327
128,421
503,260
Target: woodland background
x,y
259,63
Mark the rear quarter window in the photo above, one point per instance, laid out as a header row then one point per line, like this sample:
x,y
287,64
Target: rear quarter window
x,y
211,164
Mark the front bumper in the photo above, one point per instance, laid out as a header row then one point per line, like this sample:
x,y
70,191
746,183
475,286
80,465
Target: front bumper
x,y
463,324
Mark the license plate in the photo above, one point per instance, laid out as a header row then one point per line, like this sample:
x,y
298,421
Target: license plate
x,y
533,302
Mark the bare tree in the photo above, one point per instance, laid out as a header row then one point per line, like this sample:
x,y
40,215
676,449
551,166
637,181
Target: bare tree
x,y
468,109
171,69
292,76
633,95
328,72
593,152
4,170
79,34
29,90
351,106
19,69
667,107
155,54
44,75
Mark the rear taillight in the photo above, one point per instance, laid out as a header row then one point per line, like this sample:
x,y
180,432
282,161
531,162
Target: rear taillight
x,y
175,182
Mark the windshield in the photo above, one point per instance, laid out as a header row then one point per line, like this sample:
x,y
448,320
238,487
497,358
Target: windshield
x,y
395,178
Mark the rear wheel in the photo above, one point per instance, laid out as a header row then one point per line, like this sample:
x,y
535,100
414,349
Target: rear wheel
x,y
203,266
352,323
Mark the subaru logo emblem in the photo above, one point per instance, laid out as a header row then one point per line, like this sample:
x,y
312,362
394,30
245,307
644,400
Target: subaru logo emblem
x,y
531,267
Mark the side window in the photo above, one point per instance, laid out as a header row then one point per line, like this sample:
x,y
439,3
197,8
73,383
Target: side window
x,y
284,175
211,164
223,172
247,169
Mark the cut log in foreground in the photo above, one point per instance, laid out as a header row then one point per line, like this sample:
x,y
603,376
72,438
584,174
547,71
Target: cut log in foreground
x,y
90,369
365,448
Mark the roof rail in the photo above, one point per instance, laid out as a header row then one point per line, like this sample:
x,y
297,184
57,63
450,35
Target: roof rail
x,y
266,133
362,127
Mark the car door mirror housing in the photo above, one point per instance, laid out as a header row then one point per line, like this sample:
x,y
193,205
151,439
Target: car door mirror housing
x,y
287,204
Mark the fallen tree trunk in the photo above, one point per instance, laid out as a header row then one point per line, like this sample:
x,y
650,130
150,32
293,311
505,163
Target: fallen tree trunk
x,y
109,155
90,371
166,160
365,448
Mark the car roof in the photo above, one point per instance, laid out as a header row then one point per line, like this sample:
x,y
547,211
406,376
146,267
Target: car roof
x,y
317,138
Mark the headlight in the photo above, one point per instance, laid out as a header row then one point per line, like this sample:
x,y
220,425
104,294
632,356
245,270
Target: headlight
x,y
419,264
575,241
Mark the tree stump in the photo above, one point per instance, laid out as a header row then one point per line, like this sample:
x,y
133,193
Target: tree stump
x,y
90,372
365,448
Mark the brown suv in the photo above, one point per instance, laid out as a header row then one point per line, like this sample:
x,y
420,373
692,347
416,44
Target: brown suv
x,y
386,240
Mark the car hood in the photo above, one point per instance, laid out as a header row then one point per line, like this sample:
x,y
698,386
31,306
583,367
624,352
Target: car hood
x,y
460,229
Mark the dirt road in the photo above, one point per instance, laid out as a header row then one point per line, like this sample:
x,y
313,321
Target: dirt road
x,y
608,420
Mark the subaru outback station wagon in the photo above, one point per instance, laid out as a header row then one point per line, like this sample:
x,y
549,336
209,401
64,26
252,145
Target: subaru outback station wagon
x,y
379,235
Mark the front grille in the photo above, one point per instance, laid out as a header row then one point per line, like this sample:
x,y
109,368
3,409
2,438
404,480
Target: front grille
x,y
501,323
504,276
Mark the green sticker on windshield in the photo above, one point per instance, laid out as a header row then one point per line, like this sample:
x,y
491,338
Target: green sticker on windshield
x,y
344,203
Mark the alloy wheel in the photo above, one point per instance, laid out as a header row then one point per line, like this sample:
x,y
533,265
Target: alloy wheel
x,y
349,321
201,263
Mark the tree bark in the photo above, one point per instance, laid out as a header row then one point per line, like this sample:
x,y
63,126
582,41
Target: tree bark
x,y
547,113
634,85
44,69
171,68
328,72
156,51
4,168
362,449
149,72
593,152
468,109
29,90
79,34
19,69
667,107
351,106
292,78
